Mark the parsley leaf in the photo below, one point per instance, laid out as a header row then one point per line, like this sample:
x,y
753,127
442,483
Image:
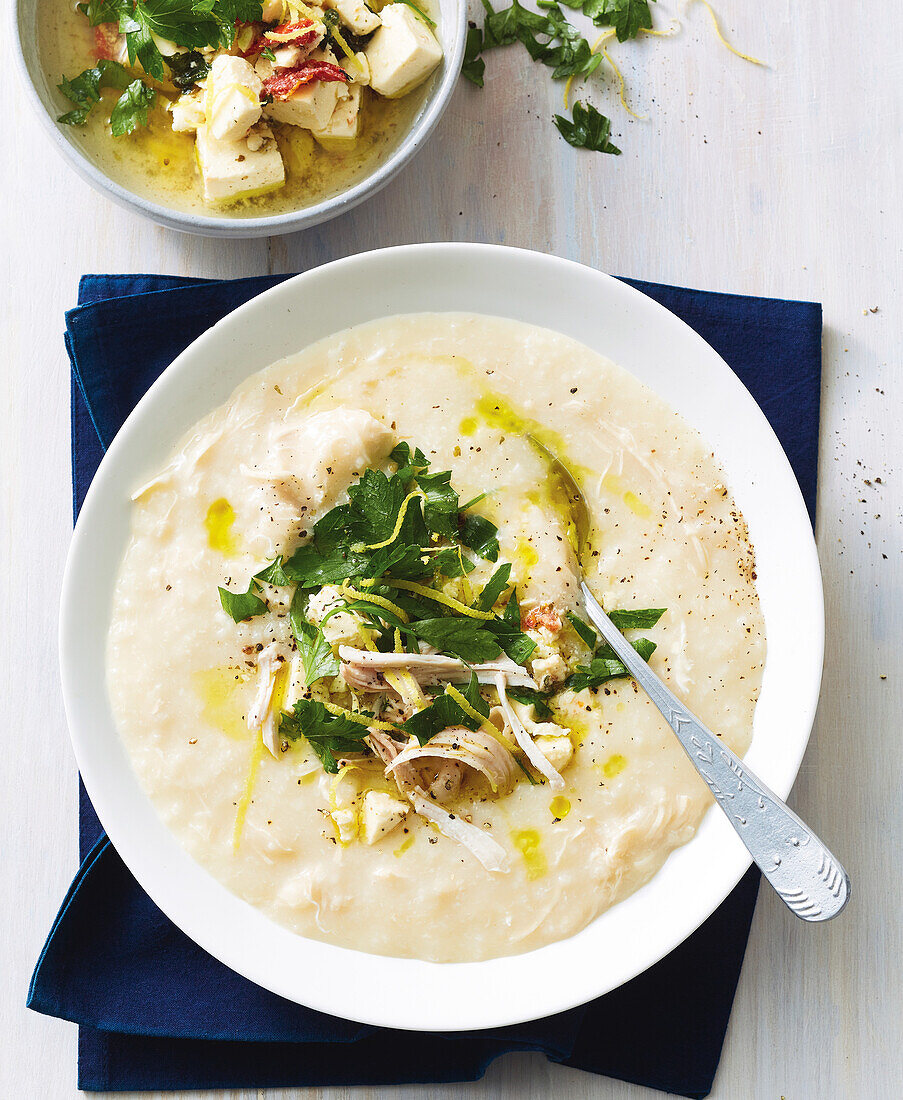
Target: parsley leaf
x,y
588,130
440,508
507,630
473,66
479,535
130,110
327,733
316,652
84,90
408,462
274,574
494,587
628,17
573,56
641,619
444,712
463,638
187,69
242,605
584,631
451,562
605,666
531,697
309,568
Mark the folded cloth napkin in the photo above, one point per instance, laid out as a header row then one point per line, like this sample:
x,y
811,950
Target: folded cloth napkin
x,y
154,1011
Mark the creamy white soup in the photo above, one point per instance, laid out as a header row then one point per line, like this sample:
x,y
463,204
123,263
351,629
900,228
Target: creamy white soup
x,y
349,657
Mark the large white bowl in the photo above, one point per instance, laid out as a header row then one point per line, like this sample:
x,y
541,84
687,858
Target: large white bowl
x,y
665,354
47,102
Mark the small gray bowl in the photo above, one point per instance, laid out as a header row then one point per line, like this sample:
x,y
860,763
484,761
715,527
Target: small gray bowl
x,y
45,99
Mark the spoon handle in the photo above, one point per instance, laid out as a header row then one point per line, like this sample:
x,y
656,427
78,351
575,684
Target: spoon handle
x,y
807,877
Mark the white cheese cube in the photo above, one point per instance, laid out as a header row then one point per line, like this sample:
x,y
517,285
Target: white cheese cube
x,y
187,113
355,15
556,748
287,57
548,669
380,814
342,130
232,170
233,98
310,106
402,53
345,823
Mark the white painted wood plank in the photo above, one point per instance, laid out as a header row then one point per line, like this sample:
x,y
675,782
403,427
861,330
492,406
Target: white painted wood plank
x,y
784,182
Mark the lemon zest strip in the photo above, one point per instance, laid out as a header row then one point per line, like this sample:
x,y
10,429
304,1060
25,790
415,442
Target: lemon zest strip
x,y
440,597
361,719
473,713
724,42
245,800
377,601
623,98
669,33
403,681
399,520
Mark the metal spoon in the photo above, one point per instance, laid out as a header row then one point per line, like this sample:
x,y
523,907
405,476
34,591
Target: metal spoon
x,y
807,877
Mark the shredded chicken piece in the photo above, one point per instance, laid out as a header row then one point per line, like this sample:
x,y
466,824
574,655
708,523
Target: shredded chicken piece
x,y
364,670
530,749
261,715
488,851
474,748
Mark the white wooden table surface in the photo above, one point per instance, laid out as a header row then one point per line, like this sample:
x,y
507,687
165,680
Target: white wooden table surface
x,y
784,182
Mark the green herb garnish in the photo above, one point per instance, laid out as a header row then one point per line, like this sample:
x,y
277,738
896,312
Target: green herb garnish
x,y
532,697
444,712
242,605
507,630
327,733
466,639
187,69
315,651
84,91
628,17
479,535
473,66
605,666
587,129
552,40
643,619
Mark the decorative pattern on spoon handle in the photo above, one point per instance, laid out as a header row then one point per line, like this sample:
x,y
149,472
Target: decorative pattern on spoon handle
x,y
807,877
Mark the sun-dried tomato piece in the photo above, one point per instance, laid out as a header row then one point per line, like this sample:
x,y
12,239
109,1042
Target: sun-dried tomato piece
x,y
107,41
544,615
283,85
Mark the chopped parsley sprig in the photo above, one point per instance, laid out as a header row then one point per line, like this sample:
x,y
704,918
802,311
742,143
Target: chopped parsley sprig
x,y
604,664
552,40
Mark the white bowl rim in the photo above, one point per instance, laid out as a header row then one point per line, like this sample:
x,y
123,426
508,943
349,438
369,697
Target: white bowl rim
x,y
274,224
405,993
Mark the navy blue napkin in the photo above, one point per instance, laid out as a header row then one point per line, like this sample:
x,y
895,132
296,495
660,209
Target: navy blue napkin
x,y
154,1011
